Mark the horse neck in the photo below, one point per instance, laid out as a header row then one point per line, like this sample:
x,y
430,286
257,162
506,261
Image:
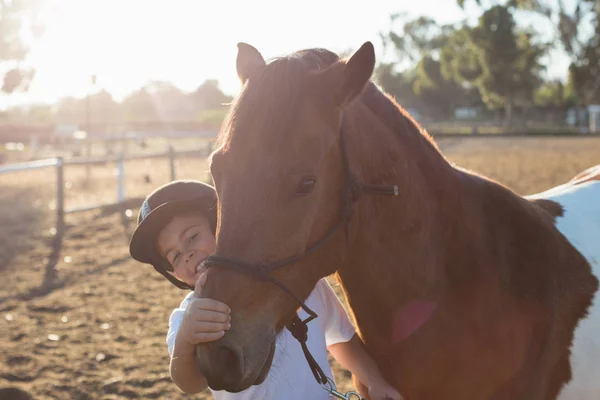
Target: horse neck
x,y
413,226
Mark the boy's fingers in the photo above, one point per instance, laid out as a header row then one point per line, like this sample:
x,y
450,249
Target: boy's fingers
x,y
211,316
207,336
211,327
212,305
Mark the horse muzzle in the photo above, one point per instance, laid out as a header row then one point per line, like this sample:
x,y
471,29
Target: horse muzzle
x,y
226,366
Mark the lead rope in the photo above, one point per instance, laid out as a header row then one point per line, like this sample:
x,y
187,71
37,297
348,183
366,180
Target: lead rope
x,y
299,331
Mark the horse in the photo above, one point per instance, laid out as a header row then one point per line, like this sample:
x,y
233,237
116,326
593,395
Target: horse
x,y
459,287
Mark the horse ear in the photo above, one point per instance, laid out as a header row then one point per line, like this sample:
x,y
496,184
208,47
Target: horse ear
x,y
249,61
344,80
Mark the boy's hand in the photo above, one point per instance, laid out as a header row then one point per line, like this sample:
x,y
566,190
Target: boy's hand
x,y
204,320
383,391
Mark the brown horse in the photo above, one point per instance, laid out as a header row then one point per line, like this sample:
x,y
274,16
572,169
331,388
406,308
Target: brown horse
x,y
460,288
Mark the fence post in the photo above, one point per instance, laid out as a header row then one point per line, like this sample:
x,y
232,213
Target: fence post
x,y
60,192
121,179
88,168
33,144
172,162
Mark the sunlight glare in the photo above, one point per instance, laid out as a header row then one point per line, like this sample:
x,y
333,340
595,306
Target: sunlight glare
x,y
127,43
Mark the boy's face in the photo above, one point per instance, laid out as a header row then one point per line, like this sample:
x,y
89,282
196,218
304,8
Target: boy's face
x,y
185,242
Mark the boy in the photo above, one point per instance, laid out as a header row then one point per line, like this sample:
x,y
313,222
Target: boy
x,y
175,233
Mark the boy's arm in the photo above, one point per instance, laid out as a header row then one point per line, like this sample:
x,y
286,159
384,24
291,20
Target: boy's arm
x,y
346,347
353,356
199,321
184,372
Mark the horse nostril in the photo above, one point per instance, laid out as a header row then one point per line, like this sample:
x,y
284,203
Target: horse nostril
x,y
222,365
226,357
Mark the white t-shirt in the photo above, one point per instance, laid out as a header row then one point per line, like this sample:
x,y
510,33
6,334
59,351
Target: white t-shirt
x,y
290,376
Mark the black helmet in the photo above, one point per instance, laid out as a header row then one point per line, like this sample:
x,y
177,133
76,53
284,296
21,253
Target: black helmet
x,y
158,209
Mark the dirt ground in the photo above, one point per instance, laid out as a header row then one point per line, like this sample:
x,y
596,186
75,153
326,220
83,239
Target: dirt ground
x,y
80,320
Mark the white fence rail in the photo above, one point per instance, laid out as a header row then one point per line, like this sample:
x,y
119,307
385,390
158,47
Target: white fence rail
x,y
26,166
60,164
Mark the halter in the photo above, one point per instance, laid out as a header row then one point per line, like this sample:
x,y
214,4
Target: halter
x,y
351,191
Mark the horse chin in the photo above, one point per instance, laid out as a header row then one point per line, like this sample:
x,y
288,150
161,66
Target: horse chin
x,y
262,374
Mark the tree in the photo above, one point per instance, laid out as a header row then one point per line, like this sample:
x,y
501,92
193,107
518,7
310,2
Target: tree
x,y
441,95
552,93
418,46
411,39
568,23
584,73
16,18
397,84
570,20
460,57
103,108
209,96
140,106
415,37
157,101
500,60
70,110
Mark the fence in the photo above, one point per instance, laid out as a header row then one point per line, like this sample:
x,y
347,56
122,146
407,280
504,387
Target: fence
x,y
59,163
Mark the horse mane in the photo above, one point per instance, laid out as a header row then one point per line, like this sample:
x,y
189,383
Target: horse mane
x,y
384,106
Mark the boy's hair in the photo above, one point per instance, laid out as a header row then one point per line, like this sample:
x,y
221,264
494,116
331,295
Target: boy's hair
x,y
158,209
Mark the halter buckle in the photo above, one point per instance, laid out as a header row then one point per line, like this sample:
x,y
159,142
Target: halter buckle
x,y
332,390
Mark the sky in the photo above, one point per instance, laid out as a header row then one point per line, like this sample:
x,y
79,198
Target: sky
x,y
126,43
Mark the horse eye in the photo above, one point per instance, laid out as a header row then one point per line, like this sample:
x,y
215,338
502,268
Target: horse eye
x,y
305,186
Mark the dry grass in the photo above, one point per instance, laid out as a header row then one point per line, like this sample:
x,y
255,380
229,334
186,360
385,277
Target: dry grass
x,y
83,321
526,165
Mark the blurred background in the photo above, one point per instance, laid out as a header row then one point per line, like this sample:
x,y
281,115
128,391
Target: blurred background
x,y
102,101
